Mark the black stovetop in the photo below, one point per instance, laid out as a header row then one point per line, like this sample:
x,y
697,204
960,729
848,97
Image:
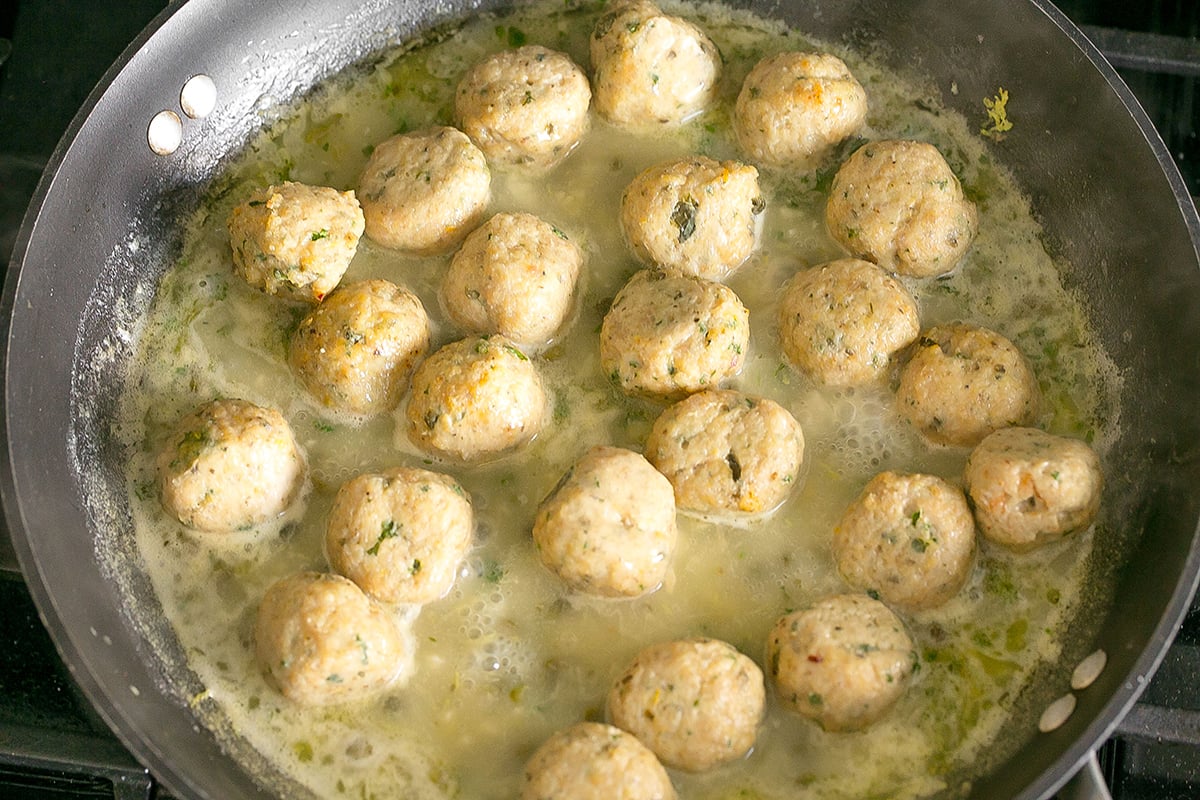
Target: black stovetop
x,y
51,743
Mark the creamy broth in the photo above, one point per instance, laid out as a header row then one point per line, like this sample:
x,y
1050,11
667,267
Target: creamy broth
x,y
509,656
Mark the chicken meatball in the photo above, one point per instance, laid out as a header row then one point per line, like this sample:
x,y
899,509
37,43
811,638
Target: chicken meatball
x,y
321,641
697,215
910,539
514,275
355,352
230,465
963,382
476,398
650,69
695,703
1030,487
400,534
726,452
295,240
794,108
898,204
843,662
422,192
593,761
841,322
668,335
608,527
527,106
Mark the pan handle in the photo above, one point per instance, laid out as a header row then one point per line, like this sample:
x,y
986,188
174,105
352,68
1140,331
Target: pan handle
x,y
1087,783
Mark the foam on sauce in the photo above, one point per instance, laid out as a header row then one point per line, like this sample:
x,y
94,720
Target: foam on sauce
x,y
509,656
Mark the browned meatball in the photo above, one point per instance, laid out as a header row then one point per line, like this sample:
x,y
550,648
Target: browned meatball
x,y
593,761
231,465
295,240
843,662
793,109
400,534
355,352
841,322
608,528
424,191
668,335
727,453
696,703
527,106
651,69
963,382
320,640
899,204
476,398
908,538
514,275
1030,487
697,215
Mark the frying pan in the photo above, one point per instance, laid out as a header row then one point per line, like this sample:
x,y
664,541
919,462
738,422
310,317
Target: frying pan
x,y
101,229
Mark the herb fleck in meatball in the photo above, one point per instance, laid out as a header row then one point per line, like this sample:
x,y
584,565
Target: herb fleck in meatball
x,y
898,204
841,322
793,109
910,539
593,761
650,69
696,703
400,534
475,398
608,528
295,240
1030,487
355,352
697,215
229,466
527,106
514,275
726,452
668,335
843,662
321,641
963,382
422,192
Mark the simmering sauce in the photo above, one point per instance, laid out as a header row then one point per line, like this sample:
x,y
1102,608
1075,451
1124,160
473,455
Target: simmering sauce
x,y
509,655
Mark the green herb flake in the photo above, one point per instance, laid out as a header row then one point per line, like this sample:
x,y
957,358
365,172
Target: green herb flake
x,y
513,36
683,217
362,646
389,530
191,445
303,751
493,571
321,234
